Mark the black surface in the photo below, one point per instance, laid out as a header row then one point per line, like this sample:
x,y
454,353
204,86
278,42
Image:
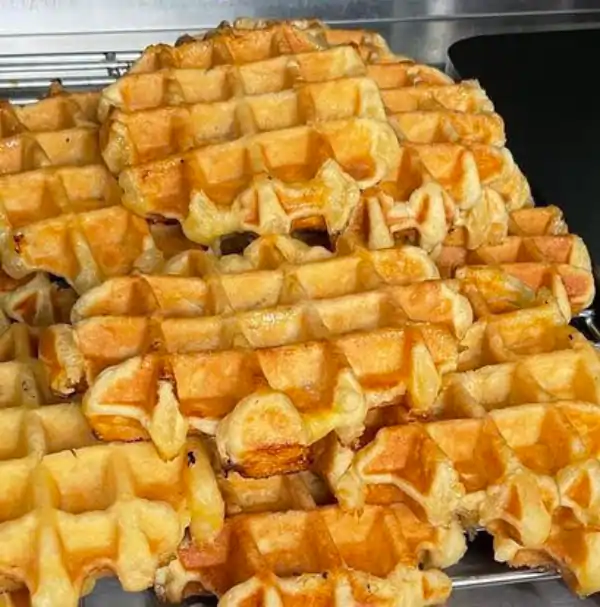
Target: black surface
x,y
547,89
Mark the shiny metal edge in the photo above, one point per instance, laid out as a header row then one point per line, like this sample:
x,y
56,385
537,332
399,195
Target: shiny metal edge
x,y
419,28
39,17
517,576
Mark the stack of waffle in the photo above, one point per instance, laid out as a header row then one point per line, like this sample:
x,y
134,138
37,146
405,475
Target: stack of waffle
x,y
288,422
60,208
277,128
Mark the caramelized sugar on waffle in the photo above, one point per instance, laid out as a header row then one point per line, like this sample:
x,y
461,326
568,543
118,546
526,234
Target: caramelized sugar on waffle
x,y
266,341
242,92
387,542
517,469
57,131
534,235
60,208
68,221
300,300
290,156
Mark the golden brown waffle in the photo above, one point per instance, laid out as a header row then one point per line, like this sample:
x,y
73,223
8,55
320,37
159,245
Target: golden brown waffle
x,y
36,300
577,282
30,151
66,497
300,491
60,209
538,253
246,41
293,543
144,136
293,492
517,469
57,112
200,378
435,187
69,222
57,131
223,95
309,176
193,391
561,249
238,291
266,390
344,587
405,379
75,496
232,101
273,272
426,106
296,158
198,83
269,253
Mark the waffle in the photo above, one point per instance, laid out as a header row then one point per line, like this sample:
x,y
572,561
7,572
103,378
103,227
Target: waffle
x,y
212,294
145,136
238,384
60,209
577,282
297,542
57,131
236,292
69,222
269,180
230,392
57,112
267,253
36,301
519,470
75,495
538,252
65,496
245,41
554,248
344,587
431,388
17,341
437,187
230,101
179,323
212,94
292,135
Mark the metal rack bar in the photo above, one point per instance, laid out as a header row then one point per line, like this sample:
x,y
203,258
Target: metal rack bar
x,y
23,78
469,582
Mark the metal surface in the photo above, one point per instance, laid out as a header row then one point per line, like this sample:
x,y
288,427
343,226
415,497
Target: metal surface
x,y
423,28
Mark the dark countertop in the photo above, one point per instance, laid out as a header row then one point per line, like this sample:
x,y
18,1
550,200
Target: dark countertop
x,y
544,86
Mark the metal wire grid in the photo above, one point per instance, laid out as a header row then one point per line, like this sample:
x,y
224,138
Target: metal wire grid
x,y
24,78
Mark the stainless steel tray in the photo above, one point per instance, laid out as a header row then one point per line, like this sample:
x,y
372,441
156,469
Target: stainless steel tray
x,y
24,79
